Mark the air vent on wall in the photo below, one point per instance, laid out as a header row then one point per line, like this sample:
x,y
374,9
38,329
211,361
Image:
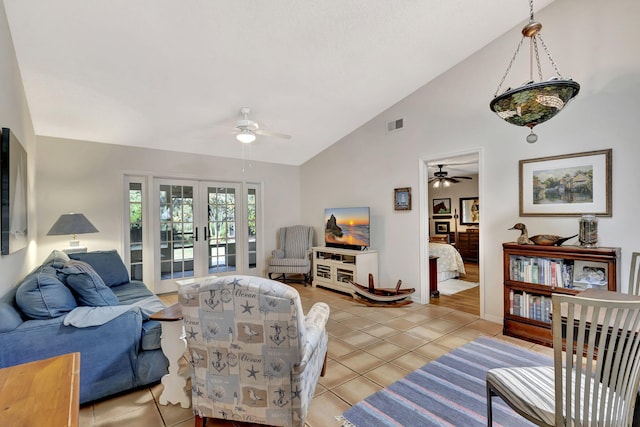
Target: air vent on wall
x,y
395,125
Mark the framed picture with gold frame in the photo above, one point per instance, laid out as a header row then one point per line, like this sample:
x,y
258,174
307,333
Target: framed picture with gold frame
x,y
402,199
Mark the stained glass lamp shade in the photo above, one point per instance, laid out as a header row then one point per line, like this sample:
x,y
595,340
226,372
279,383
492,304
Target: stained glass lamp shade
x,y
534,102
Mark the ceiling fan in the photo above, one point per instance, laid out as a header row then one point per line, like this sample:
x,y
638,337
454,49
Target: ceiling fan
x,y
246,129
441,178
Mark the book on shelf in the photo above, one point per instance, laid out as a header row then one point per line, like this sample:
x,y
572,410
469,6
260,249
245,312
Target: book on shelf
x,y
530,306
541,271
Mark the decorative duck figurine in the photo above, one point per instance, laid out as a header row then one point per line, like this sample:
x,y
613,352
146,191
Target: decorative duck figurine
x,y
540,239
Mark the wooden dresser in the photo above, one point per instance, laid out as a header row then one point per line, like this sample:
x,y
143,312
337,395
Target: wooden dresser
x,y
468,244
41,393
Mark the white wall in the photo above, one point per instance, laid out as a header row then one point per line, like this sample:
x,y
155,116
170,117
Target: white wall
x,y
80,176
14,114
591,41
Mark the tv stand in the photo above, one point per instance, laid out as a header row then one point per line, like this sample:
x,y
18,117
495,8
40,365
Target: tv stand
x,y
334,267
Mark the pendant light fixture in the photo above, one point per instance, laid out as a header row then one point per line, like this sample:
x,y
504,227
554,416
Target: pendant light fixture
x,y
533,102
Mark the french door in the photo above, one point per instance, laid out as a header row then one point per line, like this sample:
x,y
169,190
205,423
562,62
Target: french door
x,y
203,228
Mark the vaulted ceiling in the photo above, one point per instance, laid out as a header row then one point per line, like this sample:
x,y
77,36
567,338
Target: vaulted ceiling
x,y
173,74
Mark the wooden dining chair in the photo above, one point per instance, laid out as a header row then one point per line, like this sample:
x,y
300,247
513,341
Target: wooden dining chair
x,y
594,382
634,274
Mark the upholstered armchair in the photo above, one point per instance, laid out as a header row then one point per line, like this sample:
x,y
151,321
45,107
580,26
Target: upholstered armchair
x,y
294,254
255,356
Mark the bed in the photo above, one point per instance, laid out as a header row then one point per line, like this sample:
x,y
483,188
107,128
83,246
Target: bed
x,y
449,262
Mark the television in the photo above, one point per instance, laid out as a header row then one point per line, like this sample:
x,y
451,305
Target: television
x,y
347,228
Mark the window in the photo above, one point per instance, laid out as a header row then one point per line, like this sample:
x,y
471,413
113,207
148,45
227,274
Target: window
x,y
135,225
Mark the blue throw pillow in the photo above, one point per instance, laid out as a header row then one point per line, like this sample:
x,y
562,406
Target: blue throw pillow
x,y
87,285
9,317
56,259
42,295
107,264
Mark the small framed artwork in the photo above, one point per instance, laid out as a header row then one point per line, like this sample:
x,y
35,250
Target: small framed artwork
x,y
566,185
442,206
442,227
469,211
402,199
587,274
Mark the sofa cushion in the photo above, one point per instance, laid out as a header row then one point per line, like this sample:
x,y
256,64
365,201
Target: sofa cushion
x,y
87,285
107,264
42,295
9,317
137,293
133,292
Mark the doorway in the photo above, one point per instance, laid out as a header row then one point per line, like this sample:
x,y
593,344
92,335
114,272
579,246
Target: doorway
x,y
452,223
203,228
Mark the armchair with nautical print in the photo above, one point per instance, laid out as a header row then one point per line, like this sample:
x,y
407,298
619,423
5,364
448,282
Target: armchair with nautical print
x,y
255,356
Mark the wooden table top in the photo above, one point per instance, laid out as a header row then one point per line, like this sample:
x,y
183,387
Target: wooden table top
x,y
169,314
41,393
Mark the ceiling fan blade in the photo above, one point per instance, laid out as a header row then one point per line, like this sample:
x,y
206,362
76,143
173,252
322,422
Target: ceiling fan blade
x,y
274,134
461,177
451,179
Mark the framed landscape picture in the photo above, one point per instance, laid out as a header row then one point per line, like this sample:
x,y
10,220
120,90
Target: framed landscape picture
x,y
566,185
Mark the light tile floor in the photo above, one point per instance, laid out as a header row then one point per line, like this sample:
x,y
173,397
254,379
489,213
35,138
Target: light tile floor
x,y
369,348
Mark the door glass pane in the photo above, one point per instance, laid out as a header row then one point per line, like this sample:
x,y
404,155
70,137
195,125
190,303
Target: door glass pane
x,y
135,230
176,231
251,223
221,228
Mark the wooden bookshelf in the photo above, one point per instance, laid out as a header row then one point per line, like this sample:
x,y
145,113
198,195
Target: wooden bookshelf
x,y
532,273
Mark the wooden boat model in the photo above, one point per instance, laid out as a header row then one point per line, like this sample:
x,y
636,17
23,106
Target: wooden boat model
x,y
381,294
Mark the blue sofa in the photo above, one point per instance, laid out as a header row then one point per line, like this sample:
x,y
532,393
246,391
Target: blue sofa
x,y
119,346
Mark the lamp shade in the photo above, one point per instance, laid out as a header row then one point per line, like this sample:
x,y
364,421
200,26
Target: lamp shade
x,y
246,136
71,224
534,103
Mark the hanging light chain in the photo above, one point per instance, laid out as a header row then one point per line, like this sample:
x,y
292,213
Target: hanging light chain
x,y
530,10
534,42
509,67
535,36
544,46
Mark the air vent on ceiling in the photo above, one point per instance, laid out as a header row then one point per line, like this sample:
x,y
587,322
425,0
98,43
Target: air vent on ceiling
x,y
395,125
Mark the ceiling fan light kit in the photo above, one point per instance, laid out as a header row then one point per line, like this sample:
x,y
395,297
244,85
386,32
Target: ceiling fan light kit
x,y
533,102
246,136
441,178
247,130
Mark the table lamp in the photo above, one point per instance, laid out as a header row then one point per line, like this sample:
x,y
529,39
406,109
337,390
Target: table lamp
x,y
73,224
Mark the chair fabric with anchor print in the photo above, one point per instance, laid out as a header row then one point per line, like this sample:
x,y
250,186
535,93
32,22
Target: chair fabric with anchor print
x,y
255,356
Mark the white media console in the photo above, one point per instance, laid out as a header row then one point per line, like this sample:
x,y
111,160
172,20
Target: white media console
x,y
334,267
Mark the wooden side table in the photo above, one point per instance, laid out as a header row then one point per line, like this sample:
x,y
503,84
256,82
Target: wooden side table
x,y
43,393
173,345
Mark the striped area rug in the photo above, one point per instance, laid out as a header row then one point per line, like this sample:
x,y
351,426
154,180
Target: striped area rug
x,y
450,391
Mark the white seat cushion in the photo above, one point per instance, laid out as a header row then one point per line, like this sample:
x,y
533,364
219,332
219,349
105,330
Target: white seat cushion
x,y
531,390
